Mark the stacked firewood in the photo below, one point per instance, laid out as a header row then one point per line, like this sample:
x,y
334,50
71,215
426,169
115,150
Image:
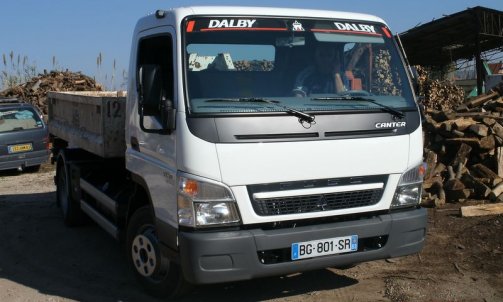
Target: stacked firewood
x,y
385,82
255,65
35,90
464,151
438,94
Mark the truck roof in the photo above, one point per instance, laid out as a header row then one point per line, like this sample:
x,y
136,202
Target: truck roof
x,y
182,12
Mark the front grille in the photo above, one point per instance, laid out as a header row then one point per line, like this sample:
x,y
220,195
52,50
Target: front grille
x,y
316,203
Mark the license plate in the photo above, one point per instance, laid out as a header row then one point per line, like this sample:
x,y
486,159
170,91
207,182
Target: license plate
x,y
323,247
20,148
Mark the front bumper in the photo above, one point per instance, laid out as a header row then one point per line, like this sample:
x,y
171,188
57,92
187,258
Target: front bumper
x,y
23,160
215,257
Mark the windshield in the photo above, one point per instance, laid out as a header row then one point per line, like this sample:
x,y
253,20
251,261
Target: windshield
x,y
16,119
303,64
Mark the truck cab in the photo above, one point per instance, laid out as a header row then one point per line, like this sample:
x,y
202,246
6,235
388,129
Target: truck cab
x,y
261,142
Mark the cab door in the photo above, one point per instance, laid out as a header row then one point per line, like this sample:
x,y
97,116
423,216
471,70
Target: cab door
x,y
151,153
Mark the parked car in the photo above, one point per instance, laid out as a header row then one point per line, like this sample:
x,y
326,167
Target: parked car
x,y
24,137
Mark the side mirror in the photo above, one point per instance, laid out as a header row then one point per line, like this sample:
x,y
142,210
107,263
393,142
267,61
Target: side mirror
x,y
422,108
152,99
415,79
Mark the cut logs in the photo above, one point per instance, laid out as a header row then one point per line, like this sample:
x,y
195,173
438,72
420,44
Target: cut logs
x,y
482,210
464,150
439,95
35,91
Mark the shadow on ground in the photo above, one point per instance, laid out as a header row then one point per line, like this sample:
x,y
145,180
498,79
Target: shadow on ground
x,y
85,264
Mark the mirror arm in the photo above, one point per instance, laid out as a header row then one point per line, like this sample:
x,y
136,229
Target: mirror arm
x,y
168,115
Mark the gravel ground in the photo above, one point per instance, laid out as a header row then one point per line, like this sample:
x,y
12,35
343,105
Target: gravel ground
x,y
42,260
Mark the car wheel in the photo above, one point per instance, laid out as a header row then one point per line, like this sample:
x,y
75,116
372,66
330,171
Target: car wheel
x,y
154,271
70,207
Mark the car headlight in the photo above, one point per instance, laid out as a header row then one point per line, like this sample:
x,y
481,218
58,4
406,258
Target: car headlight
x,y
408,191
205,203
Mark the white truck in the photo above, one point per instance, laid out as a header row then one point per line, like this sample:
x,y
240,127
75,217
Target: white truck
x,y
214,168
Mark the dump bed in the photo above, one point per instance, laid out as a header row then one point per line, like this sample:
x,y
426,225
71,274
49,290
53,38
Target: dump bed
x,y
93,121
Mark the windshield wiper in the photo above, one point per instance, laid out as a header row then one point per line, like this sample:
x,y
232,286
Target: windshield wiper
x,y
384,108
303,117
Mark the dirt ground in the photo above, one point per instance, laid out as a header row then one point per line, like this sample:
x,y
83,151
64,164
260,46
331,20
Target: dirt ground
x,y
42,260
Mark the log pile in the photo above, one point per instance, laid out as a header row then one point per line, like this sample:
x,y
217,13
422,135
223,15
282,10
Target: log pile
x,y
440,95
464,151
35,91
255,65
385,82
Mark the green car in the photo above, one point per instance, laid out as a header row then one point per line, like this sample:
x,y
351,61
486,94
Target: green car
x,y
24,137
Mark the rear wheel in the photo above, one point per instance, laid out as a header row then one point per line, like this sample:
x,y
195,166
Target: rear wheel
x,y
154,271
70,207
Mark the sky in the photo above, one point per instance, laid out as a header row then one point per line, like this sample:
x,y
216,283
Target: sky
x,y
72,33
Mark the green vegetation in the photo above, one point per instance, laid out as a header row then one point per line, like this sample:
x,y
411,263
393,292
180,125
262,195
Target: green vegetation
x,y
16,69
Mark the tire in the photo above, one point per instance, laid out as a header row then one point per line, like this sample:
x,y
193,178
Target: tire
x,y
159,276
70,206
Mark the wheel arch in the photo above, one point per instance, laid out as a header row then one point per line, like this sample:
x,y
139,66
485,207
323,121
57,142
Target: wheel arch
x,y
140,198
167,234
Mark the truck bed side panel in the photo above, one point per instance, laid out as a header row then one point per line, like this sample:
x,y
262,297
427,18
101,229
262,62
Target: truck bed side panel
x,y
93,121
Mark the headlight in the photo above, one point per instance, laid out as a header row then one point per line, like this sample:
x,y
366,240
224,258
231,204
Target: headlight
x,y
408,191
203,203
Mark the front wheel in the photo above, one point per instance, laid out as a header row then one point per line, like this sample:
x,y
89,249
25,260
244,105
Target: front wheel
x,y
159,276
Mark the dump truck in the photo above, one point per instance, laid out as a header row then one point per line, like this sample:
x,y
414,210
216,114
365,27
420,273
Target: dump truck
x,y
233,156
